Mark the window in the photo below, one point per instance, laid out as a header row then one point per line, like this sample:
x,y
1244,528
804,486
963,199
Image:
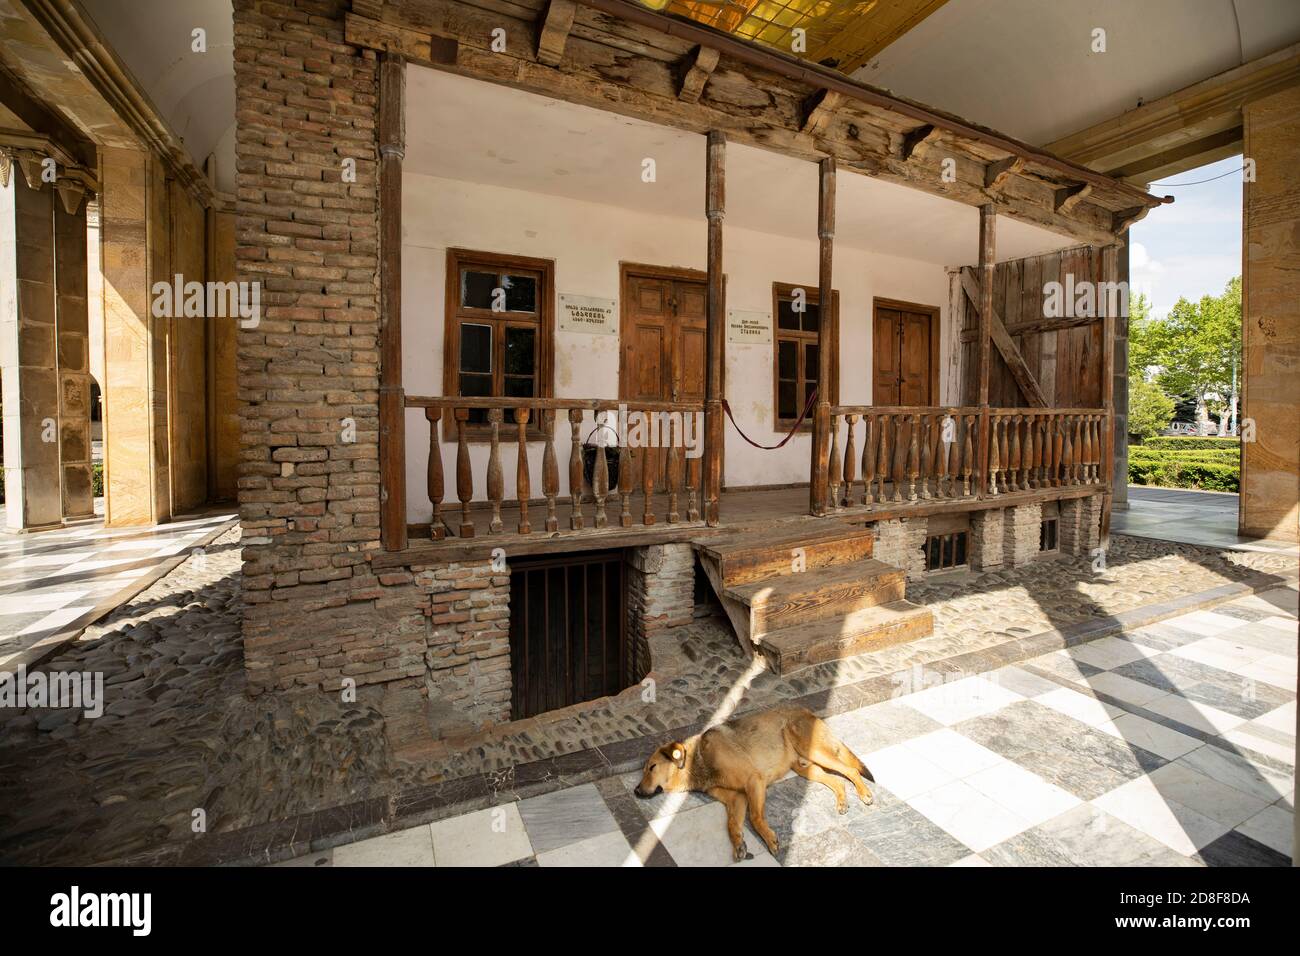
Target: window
x,y
945,551
795,352
499,325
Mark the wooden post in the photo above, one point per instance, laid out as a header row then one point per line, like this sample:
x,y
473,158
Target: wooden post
x,y
1110,276
392,398
987,254
715,202
820,469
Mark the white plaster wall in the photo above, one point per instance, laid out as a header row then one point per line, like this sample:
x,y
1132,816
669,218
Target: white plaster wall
x,y
587,241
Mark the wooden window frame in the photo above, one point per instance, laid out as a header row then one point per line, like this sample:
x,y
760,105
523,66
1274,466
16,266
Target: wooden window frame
x,y
785,290
901,305
454,315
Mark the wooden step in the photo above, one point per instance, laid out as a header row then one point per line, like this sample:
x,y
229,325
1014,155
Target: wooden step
x,y
770,552
869,629
815,595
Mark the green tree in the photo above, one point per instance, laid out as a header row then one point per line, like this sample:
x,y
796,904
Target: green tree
x,y
1196,349
1141,337
1149,409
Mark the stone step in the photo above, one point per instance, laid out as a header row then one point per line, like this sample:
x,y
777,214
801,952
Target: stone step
x,y
817,595
771,552
869,629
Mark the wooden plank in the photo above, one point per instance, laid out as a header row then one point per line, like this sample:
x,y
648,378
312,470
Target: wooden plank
x,y
554,31
1071,196
392,405
695,71
715,204
819,110
998,334
922,134
997,173
391,38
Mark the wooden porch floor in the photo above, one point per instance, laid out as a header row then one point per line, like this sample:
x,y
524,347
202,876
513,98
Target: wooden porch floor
x,y
739,511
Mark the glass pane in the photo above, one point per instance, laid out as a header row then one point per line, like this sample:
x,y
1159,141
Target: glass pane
x,y
475,348
786,403
810,358
786,317
787,359
521,353
476,289
521,293
808,389
518,386
476,386
812,317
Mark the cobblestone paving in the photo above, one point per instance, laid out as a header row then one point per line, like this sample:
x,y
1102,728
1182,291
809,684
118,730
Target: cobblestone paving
x,y
179,733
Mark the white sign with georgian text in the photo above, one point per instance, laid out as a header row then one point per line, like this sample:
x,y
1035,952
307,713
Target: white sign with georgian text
x,y
582,313
746,327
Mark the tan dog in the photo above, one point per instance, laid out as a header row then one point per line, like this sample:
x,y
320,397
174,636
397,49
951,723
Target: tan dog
x,y
735,763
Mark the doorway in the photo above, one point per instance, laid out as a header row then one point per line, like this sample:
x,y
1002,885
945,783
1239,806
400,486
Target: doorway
x,y
905,369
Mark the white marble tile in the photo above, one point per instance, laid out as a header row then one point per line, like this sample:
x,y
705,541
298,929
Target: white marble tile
x,y
1081,707
1110,652
698,837
960,700
1238,772
489,837
1027,795
1124,688
1218,801
412,847
973,818
1220,652
1283,599
904,772
973,860
1274,827
1139,804
1202,717
950,751
56,619
1283,718
1242,736
1150,736
26,602
607,849
1204,622
1272,669
1286,625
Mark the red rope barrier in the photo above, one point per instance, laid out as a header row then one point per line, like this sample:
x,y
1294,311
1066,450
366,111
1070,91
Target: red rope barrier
x,y
726,407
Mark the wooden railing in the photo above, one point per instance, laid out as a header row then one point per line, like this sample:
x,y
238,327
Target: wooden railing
x,y
910,454
658,471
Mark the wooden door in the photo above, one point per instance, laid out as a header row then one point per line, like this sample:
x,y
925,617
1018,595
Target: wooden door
x,y
906,347
664,347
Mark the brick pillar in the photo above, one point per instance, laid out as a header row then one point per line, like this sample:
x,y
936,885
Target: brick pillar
x,y
136,479
1079,526
74,360
309,500
1022,530
899,543
660,594
28,357
988,539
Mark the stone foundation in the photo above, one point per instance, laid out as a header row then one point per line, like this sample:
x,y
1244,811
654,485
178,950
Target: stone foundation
x,y
1079,527
986,549
660,594
899,542
1022,528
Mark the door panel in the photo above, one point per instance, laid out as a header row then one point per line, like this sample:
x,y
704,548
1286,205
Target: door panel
x,y
914,360
884,389
902,361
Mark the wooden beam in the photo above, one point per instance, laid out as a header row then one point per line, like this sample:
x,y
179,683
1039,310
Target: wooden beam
x,y
1121,220
1185,156
983,299
392,405
1006,346
418,45
1071,196
1036,325
820,470
695,70
553,31
923,133
57,132
997,173
715,209
818,111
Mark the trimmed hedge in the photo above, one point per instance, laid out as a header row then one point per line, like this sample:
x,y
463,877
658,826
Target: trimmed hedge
x,y
1202,470
1212,457
1189,442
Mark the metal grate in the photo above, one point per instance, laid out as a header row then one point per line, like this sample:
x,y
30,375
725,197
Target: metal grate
x,y
945,551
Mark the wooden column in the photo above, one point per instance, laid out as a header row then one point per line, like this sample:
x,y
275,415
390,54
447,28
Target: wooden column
x,y
392,399
819,471
715,201
987,256
1111,306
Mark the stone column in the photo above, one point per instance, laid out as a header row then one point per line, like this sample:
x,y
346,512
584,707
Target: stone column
x,y
73,327
28,357
136,480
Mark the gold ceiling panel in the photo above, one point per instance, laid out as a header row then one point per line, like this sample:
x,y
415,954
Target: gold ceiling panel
x,y
844,34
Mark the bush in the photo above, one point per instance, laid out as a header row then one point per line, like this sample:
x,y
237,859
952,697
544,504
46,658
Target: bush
x,y
1188,442
1205,471
1149,410
1209,457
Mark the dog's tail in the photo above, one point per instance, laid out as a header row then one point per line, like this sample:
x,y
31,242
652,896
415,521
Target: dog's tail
x,y
850,757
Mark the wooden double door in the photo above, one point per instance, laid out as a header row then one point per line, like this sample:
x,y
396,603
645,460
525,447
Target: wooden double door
x,y
664,350
906,345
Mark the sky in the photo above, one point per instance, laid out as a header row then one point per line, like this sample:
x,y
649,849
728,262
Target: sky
x,y
1191,247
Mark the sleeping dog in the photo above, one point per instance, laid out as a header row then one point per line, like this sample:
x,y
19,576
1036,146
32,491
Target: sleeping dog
x,y
735,762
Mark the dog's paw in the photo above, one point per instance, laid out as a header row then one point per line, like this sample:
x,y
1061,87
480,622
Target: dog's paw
x,y
866,796
773,846
842,807
741,853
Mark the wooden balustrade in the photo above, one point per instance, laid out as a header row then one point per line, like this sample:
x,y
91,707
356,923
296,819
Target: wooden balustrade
x,y
915,455
663,469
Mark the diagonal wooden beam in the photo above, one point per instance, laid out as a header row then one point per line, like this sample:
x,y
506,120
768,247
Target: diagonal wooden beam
x,y
1010,354
553,31
915,138
818,111
694,71
997,173
1071,196
1127,217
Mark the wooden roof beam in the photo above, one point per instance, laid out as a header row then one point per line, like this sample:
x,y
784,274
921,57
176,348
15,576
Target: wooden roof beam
x,y
1071,196
996,174
553,31
818,111
1125,218
694,71
922,134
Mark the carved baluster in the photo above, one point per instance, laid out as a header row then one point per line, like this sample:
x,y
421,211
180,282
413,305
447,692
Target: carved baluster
x,y
967,456
1004,452
464,473
495,481
834,467
993,455
884,464
1036,460
850,460
523,484
1026,451
600,473
1090,448
1098,448
1013,461
913,457
868,459
1067,452
625,484
947,430
898,458
575,468
433,479
647,472
674,469
927,459
550,471
692,487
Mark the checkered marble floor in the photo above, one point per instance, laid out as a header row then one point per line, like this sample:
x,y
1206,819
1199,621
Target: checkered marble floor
x,y
55,582
1173,745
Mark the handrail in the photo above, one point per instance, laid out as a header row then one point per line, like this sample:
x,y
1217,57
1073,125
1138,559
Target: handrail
x,y
551,404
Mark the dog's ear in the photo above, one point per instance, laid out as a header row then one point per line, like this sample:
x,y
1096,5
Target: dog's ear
x,y
676,752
